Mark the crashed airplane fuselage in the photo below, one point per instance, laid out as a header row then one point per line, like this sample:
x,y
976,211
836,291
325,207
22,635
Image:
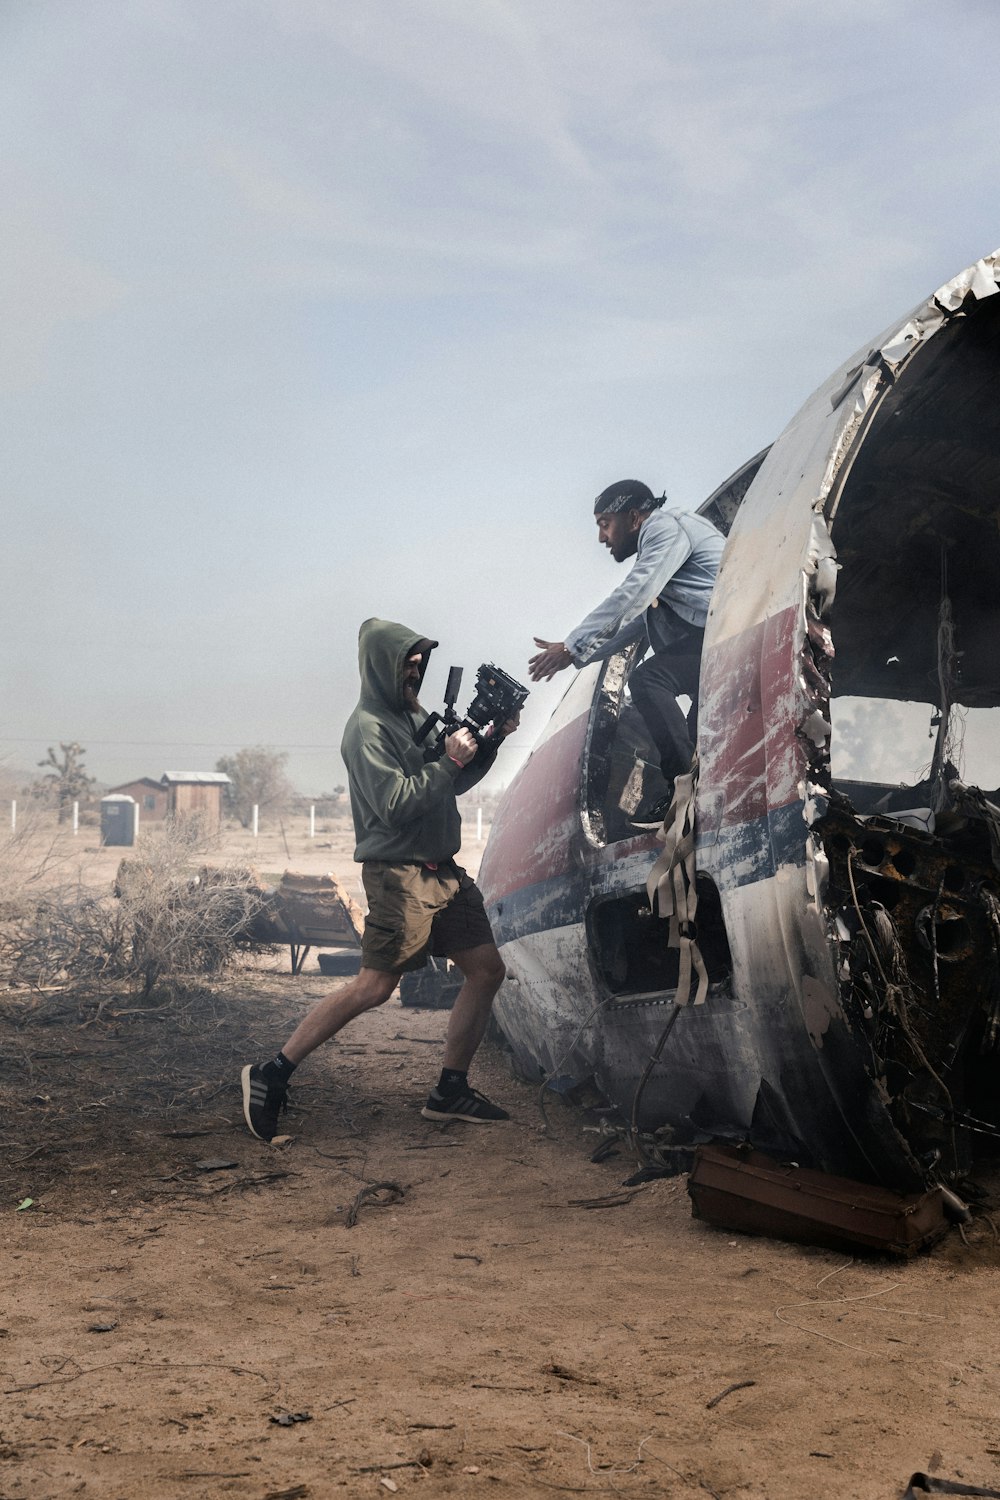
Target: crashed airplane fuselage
x,y
849,925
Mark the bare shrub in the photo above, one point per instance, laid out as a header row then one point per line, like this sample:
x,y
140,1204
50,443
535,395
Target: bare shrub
x,y
30,856
163,921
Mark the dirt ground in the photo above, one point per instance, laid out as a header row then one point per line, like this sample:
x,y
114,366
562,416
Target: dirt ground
x,y
189,1313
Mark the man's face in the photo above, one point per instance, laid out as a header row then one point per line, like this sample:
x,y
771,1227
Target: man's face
x,y
619,532
411,679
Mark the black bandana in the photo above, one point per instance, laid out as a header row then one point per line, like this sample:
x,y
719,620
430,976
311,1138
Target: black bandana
x,y
627,494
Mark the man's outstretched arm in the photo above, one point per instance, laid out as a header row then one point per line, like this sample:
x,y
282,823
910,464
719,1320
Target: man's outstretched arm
x,y
664,546
555,655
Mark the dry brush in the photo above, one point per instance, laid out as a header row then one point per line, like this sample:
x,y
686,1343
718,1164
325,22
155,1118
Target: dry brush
x,y
164,920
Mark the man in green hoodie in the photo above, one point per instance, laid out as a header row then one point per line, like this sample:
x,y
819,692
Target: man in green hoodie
x,y
408,830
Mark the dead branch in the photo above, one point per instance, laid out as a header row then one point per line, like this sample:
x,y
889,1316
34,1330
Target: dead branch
x,y
563,1372
118,1364
406,1463
612,1200
738,1385
368,1194
244,1182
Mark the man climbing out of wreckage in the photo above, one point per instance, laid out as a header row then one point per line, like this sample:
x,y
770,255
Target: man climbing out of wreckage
x,y
664,601
408,830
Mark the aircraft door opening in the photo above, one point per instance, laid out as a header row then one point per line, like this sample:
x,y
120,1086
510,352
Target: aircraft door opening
x,y
621,772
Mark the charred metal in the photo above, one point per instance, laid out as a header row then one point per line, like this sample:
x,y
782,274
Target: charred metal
x,y
919,943
913,892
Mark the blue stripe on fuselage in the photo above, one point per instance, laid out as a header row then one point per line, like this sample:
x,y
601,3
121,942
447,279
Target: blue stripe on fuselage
x,y
744,853
736,856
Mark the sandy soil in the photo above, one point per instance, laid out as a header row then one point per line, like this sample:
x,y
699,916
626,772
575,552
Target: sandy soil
x,y
504,1320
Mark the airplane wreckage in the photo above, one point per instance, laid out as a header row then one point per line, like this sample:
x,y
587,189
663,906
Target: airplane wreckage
x,y
841,937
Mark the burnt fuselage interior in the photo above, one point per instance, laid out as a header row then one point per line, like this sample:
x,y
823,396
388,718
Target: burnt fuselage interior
x,y
917,523
914,858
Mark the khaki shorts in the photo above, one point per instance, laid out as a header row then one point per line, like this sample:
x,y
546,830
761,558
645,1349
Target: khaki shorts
x,y
414,911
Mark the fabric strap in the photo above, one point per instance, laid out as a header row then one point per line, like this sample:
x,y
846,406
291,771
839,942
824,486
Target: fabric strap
x,y
673,894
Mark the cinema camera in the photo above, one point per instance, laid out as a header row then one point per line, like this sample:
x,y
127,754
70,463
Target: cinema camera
x,y
498,698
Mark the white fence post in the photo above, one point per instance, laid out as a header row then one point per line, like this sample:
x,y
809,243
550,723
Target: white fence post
x,y
76,818
256,812
312,821
13,817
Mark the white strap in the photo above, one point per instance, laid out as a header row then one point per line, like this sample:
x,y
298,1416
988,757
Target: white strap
x,y
672,891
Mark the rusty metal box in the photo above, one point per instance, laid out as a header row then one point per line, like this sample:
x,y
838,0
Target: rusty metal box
x,y
736,1187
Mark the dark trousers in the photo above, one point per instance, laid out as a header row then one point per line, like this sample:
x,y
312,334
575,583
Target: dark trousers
x,y
655,685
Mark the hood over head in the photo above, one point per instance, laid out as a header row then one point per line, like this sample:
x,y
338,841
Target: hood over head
x,y
383,647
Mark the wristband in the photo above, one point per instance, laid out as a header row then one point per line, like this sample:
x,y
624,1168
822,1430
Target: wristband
x,y
458,763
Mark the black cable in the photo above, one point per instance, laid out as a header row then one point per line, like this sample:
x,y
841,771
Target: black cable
x,y
641,1085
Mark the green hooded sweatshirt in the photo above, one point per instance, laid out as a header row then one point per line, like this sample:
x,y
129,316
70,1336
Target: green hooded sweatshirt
x,y
404,808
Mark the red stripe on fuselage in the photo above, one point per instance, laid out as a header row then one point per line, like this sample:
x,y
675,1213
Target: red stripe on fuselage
x,y
539,818
750,706
750,752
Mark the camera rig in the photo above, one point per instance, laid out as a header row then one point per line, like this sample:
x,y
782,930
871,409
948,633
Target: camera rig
x,y
497,698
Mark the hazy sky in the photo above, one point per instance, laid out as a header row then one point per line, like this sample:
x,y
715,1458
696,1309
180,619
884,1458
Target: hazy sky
x,y
319,309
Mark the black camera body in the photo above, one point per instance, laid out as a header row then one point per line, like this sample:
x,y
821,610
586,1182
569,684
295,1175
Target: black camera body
x,y
497,698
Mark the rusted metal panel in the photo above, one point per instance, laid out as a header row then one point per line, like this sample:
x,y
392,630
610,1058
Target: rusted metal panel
x,y
309,911
737,1188
314,910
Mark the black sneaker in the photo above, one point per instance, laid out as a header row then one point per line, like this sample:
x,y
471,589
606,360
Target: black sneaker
x,y
263,1101
467,1104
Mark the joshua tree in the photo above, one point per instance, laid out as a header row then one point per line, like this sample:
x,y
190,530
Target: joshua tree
x,y
66,776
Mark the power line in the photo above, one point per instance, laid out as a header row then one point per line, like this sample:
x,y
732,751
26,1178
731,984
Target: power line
x,y
87,740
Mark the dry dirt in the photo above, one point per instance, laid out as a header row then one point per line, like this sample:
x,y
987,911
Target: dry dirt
x,y
509,1323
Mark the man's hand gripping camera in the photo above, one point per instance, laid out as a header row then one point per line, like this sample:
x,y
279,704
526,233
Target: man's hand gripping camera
x,y
498,699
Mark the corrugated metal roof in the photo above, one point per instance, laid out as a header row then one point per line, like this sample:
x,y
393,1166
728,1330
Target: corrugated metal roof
x,y
203,778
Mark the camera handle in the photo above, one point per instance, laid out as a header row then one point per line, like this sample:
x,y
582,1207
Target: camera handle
x,y
449,720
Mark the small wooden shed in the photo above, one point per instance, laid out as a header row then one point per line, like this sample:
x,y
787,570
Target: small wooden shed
x,y
152,797
196,793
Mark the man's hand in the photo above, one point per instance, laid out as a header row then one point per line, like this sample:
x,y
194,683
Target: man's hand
x,y
461,746
552,658
510,726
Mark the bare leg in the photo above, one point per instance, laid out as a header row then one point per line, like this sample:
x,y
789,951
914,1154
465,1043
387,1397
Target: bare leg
x,y
372,987
484,972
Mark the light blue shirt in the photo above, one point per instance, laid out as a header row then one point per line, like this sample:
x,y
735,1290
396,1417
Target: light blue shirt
x,y
676,563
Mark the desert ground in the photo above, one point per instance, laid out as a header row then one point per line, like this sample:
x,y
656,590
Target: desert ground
x,y
381,1306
